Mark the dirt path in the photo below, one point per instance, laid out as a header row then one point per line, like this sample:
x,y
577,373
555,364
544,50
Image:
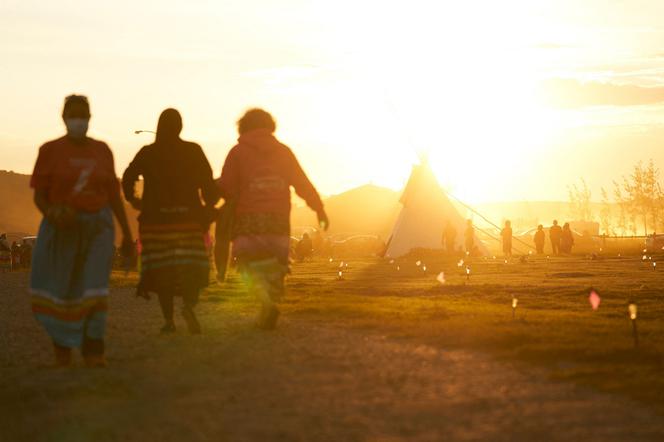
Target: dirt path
x,y
305,382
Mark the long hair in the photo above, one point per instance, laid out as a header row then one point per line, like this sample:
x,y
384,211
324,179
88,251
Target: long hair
x,y
75,100
169,126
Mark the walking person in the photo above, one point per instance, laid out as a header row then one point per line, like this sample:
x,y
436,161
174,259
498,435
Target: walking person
x,y
16,256
304,249
469,237
77,192
173,222
449,237
506,235
5,255
539,239
26,254
555,233
257,176
566,240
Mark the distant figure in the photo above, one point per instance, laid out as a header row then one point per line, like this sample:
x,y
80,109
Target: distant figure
x,y
539,239
469,237
506,234
257,175
449,237
16,256
173,221
318,242
304,249
77,191
566,240
5,255
554,235
26,254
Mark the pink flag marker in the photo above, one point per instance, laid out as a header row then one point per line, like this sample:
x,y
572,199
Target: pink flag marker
x,y
594,299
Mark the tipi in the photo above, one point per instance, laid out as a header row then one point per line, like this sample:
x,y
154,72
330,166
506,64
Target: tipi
x,y
426,209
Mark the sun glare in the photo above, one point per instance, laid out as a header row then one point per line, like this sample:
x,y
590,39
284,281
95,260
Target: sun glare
x,y
441,89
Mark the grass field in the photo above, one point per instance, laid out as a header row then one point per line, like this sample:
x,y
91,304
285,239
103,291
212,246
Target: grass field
x,y
553,326
386,353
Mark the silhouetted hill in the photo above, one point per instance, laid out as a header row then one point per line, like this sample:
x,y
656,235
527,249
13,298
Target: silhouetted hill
x,y
18,213
366,209
17,210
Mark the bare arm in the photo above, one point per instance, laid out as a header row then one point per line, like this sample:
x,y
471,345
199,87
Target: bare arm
x,y
41,201
307,191
118,210
117,207
209,189
58,215
129,178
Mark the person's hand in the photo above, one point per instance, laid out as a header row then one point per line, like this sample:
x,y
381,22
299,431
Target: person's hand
x,y
61,216
53,214
323,221
128,248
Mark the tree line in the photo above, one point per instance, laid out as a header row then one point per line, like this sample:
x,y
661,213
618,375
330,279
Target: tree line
x,y
635,206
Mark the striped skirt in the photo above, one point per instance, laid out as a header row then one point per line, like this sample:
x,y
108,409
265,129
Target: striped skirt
x,y
260,246
69,278
173,258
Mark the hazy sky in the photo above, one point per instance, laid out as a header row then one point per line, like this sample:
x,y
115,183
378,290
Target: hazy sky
x,y
510,100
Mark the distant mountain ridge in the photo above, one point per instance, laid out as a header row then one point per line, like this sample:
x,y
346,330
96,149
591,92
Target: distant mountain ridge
x,y
367,209
18,213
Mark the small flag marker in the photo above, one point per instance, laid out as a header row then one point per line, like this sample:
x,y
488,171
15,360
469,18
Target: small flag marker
x,y
441,278
594,300
632,316
515,301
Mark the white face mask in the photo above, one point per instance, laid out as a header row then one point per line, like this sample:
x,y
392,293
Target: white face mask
x,y
77,127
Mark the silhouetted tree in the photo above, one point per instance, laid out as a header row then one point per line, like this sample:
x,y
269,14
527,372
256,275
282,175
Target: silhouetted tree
x,y
640,195
579,201
605,213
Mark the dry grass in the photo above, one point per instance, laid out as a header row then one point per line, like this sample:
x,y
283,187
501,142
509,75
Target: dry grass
x,y
554,327
380,355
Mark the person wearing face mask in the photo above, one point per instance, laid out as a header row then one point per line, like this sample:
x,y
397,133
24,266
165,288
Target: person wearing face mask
x,y
77,191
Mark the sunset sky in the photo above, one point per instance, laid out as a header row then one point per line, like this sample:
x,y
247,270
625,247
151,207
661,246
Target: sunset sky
x,y
510,100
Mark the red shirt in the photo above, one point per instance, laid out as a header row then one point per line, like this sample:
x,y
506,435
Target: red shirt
x,y
81,176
